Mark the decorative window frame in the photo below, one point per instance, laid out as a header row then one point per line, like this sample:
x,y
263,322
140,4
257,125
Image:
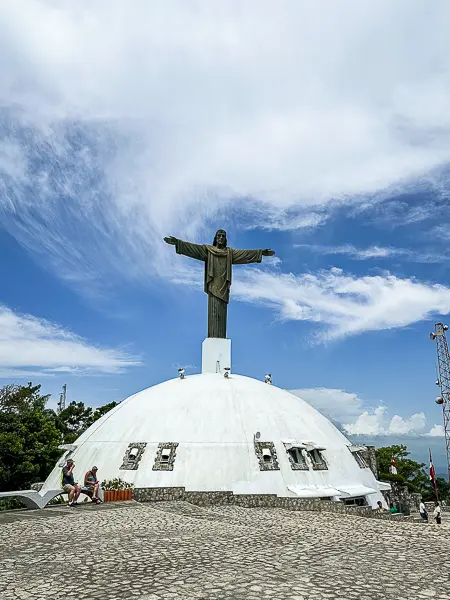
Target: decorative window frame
x,y
69,449
159,464
132,464
358,456
322,466
303,466
263,465
356,501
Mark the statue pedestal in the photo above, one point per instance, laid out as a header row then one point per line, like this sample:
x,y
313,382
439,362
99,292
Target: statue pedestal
x,y
216,355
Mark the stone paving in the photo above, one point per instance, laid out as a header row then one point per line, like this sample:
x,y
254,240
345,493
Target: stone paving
x,y
177,550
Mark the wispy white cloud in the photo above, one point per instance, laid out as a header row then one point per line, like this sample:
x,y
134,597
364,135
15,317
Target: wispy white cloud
x,y
11,373
281,220
343,304
133,121
415,204
442,232
377,252
30,346
334,403
350,410
13,163
376,423
436,431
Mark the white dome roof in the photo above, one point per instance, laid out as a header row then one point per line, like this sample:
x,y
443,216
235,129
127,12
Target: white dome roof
x,y
213,420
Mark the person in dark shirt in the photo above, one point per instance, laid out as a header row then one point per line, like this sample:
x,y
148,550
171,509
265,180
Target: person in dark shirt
x,y
68,482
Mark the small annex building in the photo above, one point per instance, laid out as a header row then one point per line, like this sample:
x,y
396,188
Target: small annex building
x,y
218,431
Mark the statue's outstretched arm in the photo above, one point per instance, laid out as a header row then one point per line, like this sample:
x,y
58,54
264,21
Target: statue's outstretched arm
x,y
245,257
197,251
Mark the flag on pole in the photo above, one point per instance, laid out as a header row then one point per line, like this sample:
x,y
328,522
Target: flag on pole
x,y
393,466
432,472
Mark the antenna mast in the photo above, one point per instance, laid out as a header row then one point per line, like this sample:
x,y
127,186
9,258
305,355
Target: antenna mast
x,y
62,399
443,381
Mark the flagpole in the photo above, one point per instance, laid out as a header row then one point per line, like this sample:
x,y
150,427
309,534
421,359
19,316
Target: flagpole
x,y
433,476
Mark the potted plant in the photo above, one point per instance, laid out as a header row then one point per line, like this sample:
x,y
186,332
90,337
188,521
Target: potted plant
x,y
117,489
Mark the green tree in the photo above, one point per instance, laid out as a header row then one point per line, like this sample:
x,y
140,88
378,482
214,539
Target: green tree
x,y
73,420
76,418
409,472
102,410
31,433
29,438
17,398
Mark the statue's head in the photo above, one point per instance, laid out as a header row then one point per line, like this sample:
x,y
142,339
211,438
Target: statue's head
x,y
220,239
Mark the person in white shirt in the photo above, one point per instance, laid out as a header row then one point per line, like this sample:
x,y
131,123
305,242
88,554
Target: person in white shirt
x,y
423,511
437,513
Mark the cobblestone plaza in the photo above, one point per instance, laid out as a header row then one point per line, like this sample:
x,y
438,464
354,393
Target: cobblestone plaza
x,y
177,550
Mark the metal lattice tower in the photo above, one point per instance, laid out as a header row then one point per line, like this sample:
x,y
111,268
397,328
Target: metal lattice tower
x,y
443,381
62,399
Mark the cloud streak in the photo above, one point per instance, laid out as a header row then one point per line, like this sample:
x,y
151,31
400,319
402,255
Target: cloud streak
x,y
30,346
344,304
376,252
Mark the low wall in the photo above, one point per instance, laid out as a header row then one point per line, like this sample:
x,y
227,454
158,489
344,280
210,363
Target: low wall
x,y
255,501
430,507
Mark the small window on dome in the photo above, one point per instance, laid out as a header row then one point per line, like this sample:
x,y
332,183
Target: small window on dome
x,y
361,501
165,456
267,456
68,451
297,459
357,455
317,460
133,456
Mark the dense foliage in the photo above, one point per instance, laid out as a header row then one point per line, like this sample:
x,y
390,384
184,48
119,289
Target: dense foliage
x,y
409,472
29,437
77,417
31,433
116,484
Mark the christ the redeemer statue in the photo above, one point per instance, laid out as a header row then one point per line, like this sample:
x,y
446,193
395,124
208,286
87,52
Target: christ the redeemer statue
x,y
218,260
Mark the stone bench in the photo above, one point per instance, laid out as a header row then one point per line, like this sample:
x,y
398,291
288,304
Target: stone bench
x,y
35,499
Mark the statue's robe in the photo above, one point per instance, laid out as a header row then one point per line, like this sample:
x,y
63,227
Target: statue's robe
x,y
218,273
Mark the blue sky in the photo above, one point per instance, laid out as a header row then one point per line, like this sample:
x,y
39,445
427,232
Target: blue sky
x,y
296,130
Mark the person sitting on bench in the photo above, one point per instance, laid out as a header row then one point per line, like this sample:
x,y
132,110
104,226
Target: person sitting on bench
x,y
68,482
91,484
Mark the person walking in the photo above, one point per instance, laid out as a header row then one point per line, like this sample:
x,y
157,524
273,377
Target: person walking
x,y
423,511
437,513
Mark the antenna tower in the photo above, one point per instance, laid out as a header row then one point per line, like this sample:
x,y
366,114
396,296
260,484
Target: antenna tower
x,y
443,381
62,399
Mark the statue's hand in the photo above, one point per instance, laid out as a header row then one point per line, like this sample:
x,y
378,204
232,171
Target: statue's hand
x,y
268,252
170,240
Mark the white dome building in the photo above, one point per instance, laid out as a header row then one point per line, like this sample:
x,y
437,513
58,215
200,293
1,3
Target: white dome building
x,y
217,431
